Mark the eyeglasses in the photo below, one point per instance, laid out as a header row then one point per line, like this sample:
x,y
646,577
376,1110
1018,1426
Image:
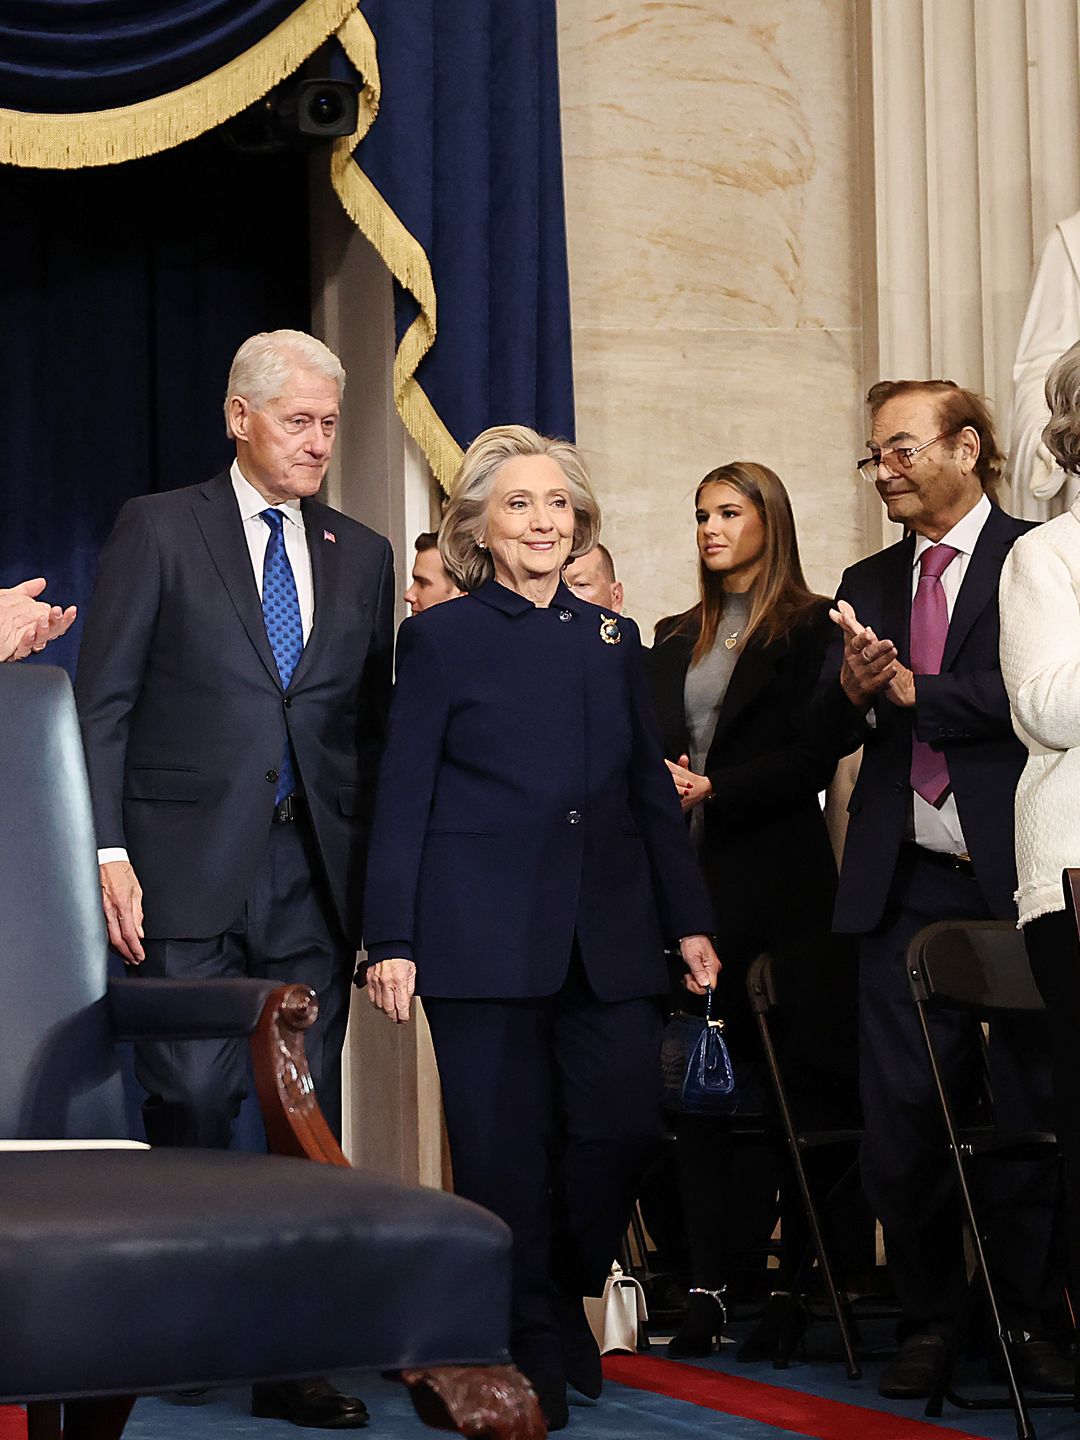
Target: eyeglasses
x,y
905,454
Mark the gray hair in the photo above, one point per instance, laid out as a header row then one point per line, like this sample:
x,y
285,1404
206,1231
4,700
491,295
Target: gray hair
x,y
463,521
262,366
1062,435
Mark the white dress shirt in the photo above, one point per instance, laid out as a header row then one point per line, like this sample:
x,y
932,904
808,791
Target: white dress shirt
x,y
941,829
257,533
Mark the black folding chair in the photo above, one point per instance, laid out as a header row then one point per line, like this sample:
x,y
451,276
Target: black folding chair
x,y
980,967
764,999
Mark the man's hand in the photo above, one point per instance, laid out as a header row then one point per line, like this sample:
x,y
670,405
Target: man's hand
x,y
869,664
699,957
692,789
901,688
121,897
28,624
390,987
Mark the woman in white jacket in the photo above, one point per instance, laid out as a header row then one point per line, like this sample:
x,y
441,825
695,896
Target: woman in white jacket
x,y
1040,661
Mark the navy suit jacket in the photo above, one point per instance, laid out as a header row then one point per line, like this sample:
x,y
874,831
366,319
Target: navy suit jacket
x,y
184,717
964,711
523,799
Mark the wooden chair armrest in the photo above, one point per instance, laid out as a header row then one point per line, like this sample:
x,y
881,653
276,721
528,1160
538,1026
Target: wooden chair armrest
x,y
290,1109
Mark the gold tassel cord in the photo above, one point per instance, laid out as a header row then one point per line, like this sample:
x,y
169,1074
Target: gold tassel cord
x,y
403,255
107,137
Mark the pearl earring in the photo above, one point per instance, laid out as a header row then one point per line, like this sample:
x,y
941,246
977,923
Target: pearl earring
x,y
480,545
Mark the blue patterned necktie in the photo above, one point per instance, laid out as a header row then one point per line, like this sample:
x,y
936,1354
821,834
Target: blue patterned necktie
x,y
284,628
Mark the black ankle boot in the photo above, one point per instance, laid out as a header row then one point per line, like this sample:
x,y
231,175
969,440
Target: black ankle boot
x,y
700,1331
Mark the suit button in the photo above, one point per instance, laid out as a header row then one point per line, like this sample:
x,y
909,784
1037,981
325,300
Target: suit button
x,y
565,615
271,775
574,817
898,787
288,702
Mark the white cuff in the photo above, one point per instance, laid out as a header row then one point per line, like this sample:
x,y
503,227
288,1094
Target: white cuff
x,y
116,852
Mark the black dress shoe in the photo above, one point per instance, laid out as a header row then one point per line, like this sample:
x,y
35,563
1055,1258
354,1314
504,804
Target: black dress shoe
x,y
580,1352
1039,1365
315,1404
910,1374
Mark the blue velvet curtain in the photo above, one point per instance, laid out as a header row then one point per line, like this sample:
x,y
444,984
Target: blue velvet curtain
x,y
76,55
124,293
466,150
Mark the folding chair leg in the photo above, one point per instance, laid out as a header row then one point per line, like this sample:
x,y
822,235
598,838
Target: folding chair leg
x,y
837,1304
1024,1428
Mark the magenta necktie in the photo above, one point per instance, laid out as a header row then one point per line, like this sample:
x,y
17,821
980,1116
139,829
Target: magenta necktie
x,y
929,631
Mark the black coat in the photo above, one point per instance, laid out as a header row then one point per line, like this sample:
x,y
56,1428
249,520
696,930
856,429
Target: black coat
x,y
523,801
184,717
964,711
765,850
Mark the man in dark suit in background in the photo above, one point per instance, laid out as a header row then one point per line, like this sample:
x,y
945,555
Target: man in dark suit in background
x,y
233,687
914,678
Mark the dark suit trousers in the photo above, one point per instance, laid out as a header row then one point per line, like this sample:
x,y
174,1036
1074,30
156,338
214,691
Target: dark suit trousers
x,y
287,932
553,1113
906,1169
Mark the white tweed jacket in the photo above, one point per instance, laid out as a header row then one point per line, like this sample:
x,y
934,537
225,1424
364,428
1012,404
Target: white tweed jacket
x,y
1040,662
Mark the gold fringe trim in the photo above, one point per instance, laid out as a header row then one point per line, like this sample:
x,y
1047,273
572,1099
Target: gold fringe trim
x,y
403,254
107,137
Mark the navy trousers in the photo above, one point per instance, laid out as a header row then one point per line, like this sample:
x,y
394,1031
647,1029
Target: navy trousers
x,y
906,1168
553,1113
287,932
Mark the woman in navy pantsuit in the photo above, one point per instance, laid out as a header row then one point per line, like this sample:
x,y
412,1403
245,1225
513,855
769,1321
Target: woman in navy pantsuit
x,y
528,864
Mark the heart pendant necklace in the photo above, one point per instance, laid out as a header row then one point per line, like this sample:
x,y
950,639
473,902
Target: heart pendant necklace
x,y
732,640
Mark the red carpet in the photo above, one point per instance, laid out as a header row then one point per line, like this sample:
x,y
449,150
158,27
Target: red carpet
x,y
12,1422
770,1404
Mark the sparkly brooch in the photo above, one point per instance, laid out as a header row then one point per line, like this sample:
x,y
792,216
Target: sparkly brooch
x,y
609,630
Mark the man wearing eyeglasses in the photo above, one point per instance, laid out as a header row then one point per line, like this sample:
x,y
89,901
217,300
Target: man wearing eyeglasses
x,y
914,678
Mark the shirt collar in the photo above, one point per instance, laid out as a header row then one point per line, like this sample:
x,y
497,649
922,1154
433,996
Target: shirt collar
x,y
964,533
252,504
510,602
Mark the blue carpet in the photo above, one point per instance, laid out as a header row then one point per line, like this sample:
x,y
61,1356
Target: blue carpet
x,y
623,1413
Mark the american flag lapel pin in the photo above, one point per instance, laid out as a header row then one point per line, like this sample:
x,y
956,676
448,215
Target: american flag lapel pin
x,y
329,535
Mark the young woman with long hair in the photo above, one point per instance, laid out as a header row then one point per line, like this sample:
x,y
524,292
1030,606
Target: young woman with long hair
x,y
732,678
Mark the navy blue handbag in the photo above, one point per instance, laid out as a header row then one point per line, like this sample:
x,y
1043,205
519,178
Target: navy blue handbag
x,y
697,1073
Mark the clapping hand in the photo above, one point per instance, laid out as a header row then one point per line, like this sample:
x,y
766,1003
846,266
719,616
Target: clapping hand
x,y
28,624
870,665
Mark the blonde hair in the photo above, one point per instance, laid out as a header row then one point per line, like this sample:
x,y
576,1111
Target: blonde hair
x,y
262,366
463,521
1062,434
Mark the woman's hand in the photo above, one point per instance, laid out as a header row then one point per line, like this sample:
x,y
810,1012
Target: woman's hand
x,y
692,789
701,961
390,987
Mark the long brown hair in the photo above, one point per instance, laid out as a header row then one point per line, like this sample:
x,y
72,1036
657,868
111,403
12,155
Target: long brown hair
x,y
780,597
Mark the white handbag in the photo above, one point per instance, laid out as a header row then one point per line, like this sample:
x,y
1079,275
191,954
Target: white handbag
x,y
615,1316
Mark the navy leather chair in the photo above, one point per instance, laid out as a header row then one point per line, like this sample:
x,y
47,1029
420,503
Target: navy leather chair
x,y
129,1271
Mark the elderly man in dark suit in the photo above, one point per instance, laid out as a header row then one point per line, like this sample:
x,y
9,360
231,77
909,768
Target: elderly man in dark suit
x,y
233,687
914,678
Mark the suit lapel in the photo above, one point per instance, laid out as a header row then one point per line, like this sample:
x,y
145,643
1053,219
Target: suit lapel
x,y
753,671
669,662
218,517
325,582
896,597
980,583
